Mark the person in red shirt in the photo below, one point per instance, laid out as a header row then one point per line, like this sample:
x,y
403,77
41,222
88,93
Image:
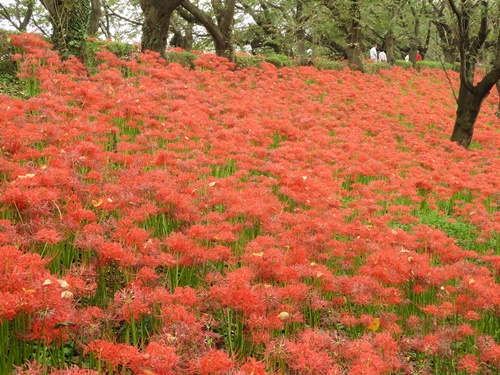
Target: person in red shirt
x,y
418,57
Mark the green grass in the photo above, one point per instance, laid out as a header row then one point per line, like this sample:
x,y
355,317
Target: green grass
x,y
224,170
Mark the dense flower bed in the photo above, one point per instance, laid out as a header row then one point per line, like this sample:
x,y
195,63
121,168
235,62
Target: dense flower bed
x,y
160,220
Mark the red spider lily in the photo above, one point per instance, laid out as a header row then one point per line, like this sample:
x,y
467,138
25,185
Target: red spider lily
x,y
365,358
49,236
469,363
236,293
8,233
490,350
160,359
446,309
254,367
8,305
309,355
307,360
114,354
30,368
130,303
74,371
212,363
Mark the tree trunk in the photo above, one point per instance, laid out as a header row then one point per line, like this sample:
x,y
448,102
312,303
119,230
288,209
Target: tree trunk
x,y
389,47
414,42
157,14
469,105
226,23
336,48
300,33
354,53
189,37
23,26
222,32
224,47
467,112
449,55
498,107
470,96
106,25
390,38
425,46
448,39
70,21
95,17
184,41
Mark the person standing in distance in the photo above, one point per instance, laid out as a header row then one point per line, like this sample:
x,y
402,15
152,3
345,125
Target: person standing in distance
x,y
248,49
373,53
382,57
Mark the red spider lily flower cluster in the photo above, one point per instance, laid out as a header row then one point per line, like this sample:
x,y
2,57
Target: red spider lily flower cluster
x,y
161,220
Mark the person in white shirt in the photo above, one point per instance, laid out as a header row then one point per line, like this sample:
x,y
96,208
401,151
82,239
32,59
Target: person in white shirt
x,y
382,57
373,53
248,49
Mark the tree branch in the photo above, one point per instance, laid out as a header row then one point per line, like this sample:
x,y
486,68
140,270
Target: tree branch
x,y
496,63
457,14
42,30
483,30
111,12
227,17
203,18
186,15
27,17
5,13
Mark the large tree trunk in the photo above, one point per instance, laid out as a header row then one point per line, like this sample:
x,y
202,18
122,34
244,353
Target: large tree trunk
x,y
354,53
389,47
390,38
182,38
224,47
95,17
414,42
469,103
157,14
467,112
70,22
450,54
226,22
470,96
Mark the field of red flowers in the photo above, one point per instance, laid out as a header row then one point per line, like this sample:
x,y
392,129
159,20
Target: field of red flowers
x,y
158,220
